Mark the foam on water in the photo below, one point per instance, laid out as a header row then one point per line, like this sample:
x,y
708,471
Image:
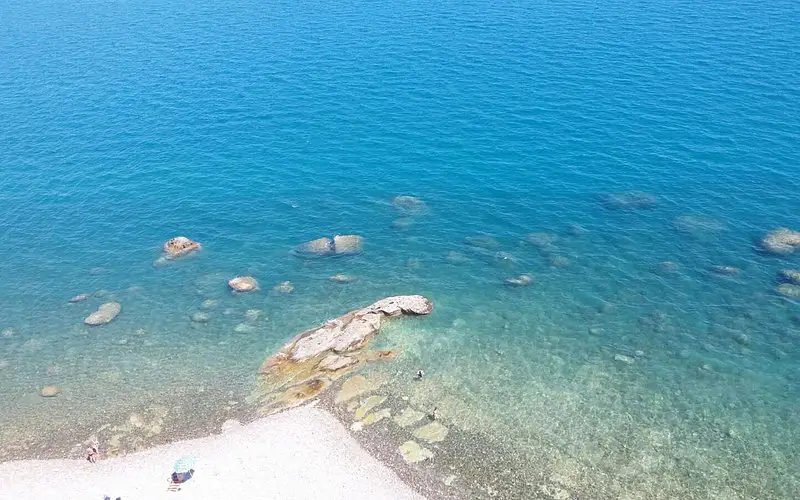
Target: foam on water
x,y
252,128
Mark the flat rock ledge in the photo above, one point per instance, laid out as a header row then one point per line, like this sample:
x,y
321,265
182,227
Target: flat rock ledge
x,y
312,360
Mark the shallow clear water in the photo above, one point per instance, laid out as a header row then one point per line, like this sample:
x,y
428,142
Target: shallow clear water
x,y
253,127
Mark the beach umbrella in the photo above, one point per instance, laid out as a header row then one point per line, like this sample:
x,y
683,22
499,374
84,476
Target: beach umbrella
x,y
184,464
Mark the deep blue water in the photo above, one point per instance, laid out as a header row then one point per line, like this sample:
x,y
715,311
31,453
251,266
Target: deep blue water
x,y
254,126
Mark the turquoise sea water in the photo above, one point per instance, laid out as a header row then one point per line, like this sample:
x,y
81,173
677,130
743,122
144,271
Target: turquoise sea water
x,y
252,127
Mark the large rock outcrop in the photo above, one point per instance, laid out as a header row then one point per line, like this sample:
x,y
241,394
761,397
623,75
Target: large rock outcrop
x,y
312,360
782,241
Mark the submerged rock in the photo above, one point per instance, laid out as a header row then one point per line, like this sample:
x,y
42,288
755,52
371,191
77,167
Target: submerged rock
x,y
49,391
433,432
353,387
284,287
667,267
504,259
79,298
413,263
298,394
789,276
179,247
629,200
7,333
200,317
623,359
243,284
208,305
412,452
104,314
542,241
347,244
782,241
409,417
319,247
559,261
343,278
244,328
457,258
408,203
341,244
574,229
789,290
698,225
725,270
368,405
252,315
742,338
402,223
372,418
484,241
521,280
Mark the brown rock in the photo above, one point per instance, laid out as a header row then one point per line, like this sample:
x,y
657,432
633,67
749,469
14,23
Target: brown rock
x,y
327,352
333,362
330,350
180,246
243,284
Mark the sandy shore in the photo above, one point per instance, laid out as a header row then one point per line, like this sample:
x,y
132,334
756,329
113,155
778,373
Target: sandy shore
x,y
298,454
